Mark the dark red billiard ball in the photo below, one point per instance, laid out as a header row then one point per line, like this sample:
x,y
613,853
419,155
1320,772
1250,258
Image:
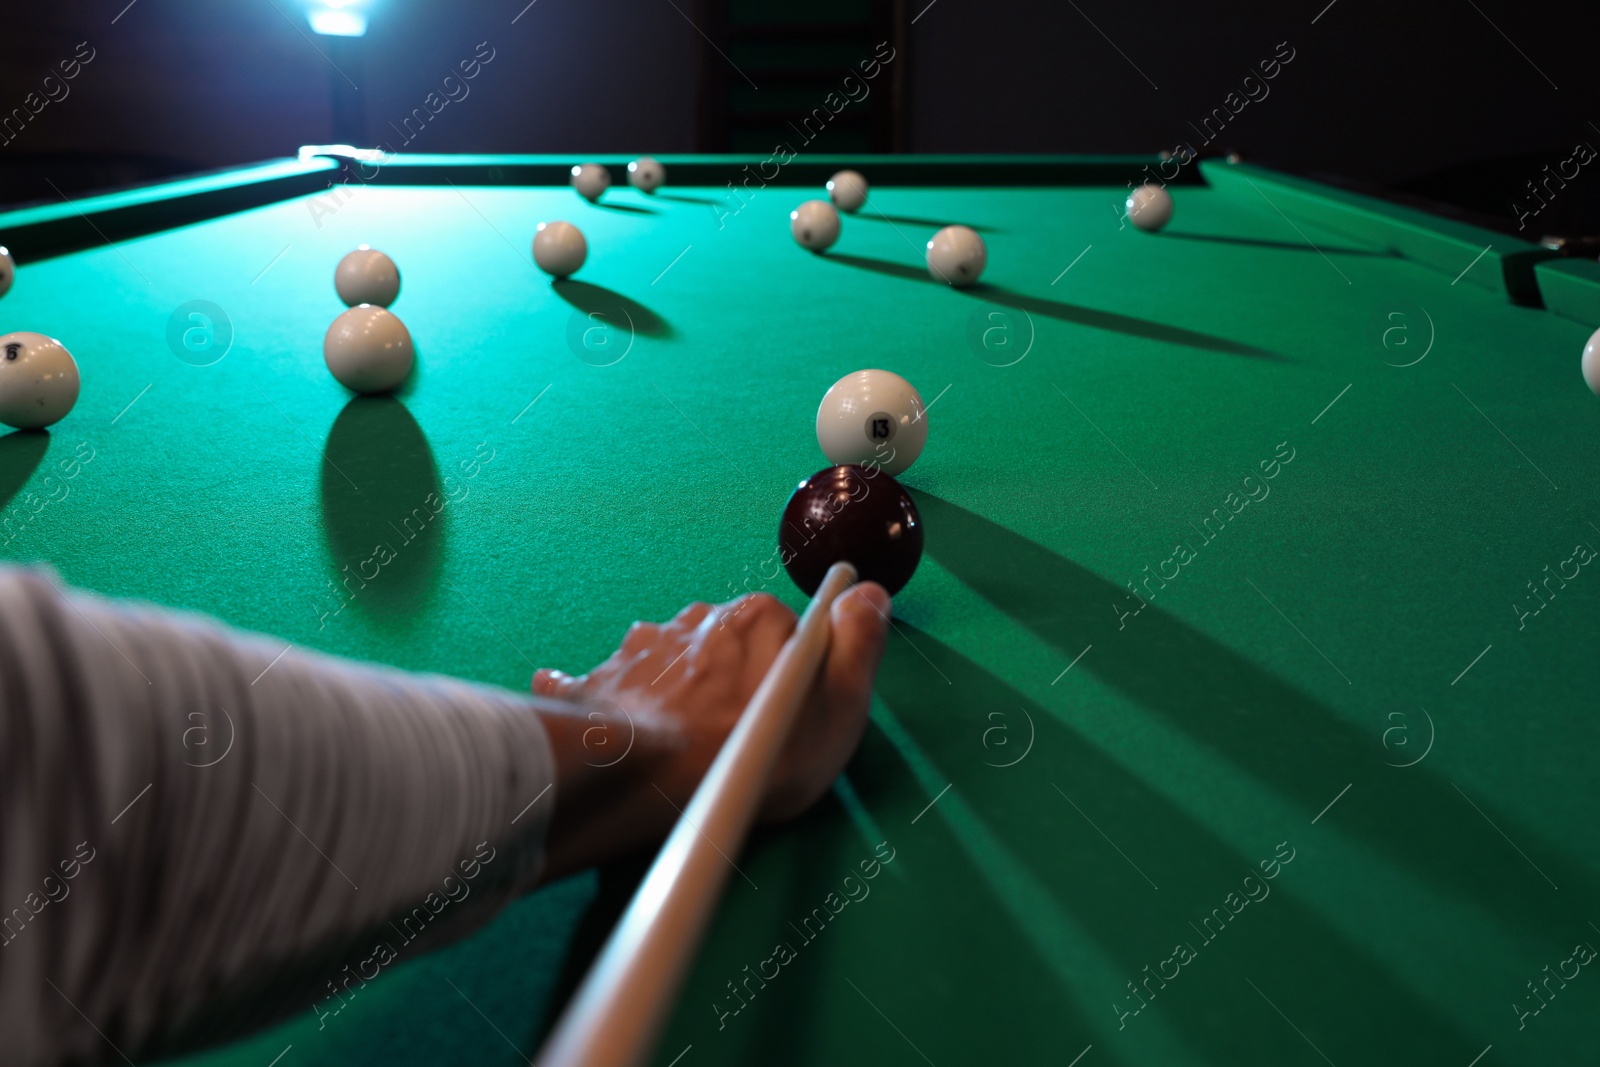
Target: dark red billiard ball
x,y
850,513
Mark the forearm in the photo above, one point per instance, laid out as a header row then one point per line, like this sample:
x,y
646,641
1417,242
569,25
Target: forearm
x,y
622,778
237,826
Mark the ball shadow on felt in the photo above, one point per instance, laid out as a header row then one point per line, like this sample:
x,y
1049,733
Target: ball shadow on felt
x,y
612,306
21,452
383,509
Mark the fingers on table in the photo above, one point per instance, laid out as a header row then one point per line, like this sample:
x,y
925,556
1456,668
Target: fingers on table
x,y
641,637
549,682
757,624
690,618
763,623
860,621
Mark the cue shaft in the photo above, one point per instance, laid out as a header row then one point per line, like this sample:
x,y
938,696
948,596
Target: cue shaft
x,y
617,1014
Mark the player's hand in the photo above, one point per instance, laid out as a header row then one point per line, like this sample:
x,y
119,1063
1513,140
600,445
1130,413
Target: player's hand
x,y
678,688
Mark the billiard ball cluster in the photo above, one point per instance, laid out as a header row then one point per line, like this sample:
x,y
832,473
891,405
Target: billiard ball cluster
x,y
815,223
559,248
872,425
645,174
38,376
873,421
955,255
368,349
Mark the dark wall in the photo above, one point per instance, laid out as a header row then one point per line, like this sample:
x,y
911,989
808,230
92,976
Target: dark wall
x,y
216,82
1381,90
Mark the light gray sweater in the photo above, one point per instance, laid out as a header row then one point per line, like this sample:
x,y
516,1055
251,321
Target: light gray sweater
x,y
200,833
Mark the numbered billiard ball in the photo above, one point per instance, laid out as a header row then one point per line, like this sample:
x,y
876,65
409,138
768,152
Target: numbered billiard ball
x,y
872,418
590,180
8,270
956,255
559,248
369,350
1149,207
38,380
855,514
646,174
367,276
815,225
847,190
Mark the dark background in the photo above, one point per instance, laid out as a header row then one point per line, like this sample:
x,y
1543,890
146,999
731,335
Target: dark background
x,y
1427,97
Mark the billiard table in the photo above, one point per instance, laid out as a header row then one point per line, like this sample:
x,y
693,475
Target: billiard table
x,y
1157,773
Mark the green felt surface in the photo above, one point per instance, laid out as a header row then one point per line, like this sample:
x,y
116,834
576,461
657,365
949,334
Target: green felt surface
x,y
1487,259
1319,641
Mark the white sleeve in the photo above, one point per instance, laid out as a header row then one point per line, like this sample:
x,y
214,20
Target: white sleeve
x,y
199,831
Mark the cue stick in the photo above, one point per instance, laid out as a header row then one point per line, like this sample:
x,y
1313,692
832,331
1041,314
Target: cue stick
x,y
616,1015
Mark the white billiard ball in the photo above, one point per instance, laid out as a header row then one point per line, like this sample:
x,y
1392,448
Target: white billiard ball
x,y
1591,362
847,190
38,380
367,276
872,417
8,270
559,248
590,179
1149,207
956,255
646,174
368,349
815,225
